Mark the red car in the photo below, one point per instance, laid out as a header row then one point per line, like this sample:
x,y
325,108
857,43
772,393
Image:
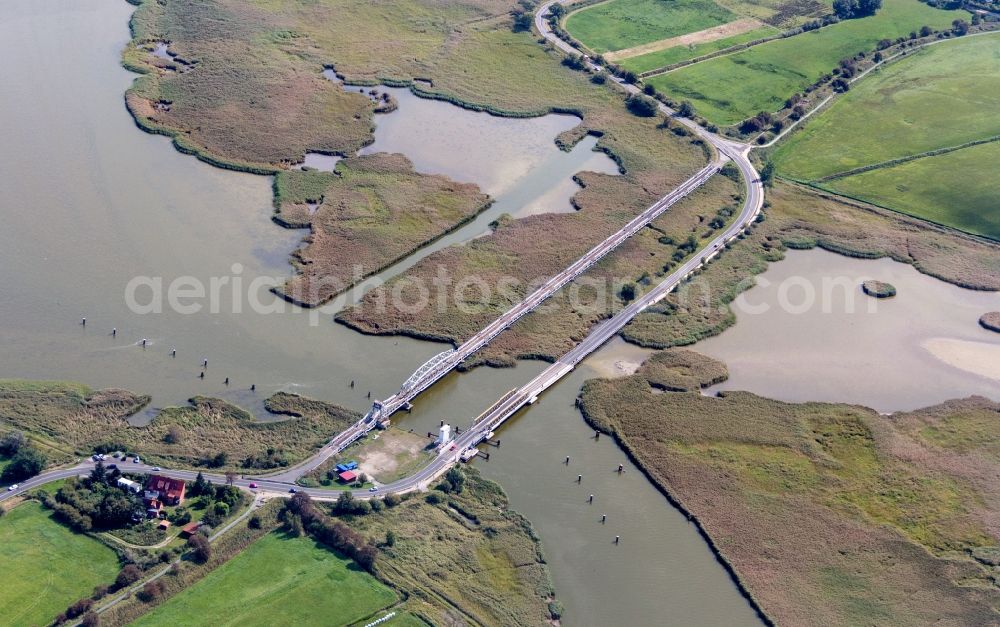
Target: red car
x,y
253,486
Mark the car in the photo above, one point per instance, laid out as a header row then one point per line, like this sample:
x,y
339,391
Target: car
x,y
374,488
292,490
452,448
253,486
112,466
11,488
95,457
136,460
157,469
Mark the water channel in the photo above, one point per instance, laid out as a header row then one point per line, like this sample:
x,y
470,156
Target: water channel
x,y
89,202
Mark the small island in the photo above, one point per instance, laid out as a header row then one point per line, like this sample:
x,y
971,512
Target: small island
x,y
878,289
990,321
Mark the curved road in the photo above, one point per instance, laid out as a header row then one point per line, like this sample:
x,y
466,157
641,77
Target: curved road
x,y
282,483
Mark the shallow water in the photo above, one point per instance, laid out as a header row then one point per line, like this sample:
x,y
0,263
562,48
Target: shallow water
x,y
919,348
89,202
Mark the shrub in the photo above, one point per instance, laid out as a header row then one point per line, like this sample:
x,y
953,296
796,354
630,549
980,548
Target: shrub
x,y
27,462
127,576
152,591
201,550
642,106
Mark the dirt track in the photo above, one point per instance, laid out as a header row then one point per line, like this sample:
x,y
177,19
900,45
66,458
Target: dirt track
x,y
699,37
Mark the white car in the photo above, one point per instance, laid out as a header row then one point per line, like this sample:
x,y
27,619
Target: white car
x,y
11,488
156,469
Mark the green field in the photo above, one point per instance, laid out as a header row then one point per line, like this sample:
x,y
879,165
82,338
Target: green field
x,y
669,56
620,24
946,95
957,189
46,567
729,89
278,580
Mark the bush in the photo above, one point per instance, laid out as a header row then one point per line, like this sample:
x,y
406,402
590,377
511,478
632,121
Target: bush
x,y
152,591
254,522
434,498
127,576
26,463
90,619
392,500
201,550
600,78
642,106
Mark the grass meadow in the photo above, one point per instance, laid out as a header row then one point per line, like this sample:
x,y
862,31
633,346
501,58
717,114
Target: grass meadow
x,y
46,566
945,95
676,54
278,580
620,24
956,189
729,89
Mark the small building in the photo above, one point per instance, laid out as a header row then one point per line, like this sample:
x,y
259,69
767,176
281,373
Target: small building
x,y
190,529
164,525
351,465
171,490
348,476
128,484
444,435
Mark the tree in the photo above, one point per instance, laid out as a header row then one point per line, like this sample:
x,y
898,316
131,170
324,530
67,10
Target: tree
x,y
199,485
926,31
221,509
522,21
960,27
685,110
127,576
99,474
11,443
767,174
27,462
642,106
390,538
201,550
627,292
254,522
456,479
230,478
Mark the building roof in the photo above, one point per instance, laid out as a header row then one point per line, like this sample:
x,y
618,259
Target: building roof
x,y
165,485
347,475
191,527
164,524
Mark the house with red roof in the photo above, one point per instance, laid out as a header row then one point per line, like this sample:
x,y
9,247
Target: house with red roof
x,y
164,489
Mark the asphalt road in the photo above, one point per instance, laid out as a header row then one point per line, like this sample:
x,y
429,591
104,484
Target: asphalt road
x,y
282,482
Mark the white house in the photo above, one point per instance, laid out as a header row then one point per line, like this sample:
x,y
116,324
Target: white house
x,y
128,484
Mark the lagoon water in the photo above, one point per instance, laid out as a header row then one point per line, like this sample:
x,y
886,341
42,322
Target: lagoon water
x,y
820,338
89,202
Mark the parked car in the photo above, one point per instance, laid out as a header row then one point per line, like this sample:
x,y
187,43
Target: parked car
x,y
374,488
11,488
136,460
112,466
253,486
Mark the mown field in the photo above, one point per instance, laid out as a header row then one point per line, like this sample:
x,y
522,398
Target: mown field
x,y
676,54
956,189
277,580
945,95
619,24
729,89
861,518
47,567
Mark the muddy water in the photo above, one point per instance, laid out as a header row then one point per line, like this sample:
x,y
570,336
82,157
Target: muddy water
x,y
820,338
89,202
